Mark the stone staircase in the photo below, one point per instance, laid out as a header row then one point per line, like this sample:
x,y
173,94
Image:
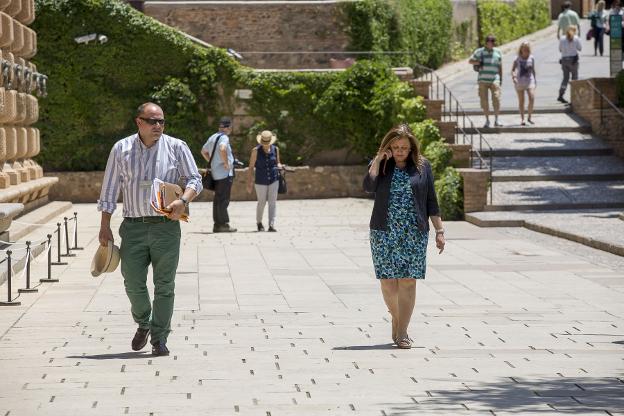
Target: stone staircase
x,y
555,164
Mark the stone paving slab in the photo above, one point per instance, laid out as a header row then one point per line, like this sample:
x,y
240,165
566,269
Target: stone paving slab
x,y
293,323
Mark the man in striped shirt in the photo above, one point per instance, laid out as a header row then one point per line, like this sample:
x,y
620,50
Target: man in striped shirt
x,y
147,237
490,64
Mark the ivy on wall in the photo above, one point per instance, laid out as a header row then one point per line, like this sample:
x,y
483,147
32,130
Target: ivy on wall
x,y
420,27
509,21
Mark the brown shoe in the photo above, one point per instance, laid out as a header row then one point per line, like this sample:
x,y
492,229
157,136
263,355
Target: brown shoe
x,y
140,339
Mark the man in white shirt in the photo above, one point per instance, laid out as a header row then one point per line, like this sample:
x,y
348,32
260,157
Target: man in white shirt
x,y
147,237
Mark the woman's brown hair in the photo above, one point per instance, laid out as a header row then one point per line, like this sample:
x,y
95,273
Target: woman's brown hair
x,y
403,131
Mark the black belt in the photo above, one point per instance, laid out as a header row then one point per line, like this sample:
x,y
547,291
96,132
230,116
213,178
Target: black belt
x,y
150,220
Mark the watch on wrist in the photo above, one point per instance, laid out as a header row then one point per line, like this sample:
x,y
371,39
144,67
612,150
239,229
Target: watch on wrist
x,y
185,201
440,231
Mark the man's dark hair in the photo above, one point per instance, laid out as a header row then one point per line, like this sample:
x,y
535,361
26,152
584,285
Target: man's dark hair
x,y
566,4
225,122
141,108
490,38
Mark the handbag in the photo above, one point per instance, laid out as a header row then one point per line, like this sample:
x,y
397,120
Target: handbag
x,y
282,187
207,180
590,34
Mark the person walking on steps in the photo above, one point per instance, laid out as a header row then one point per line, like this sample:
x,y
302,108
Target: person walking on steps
x,y
265,163
488,61
569,46
524,79
222,169
147,237
405,200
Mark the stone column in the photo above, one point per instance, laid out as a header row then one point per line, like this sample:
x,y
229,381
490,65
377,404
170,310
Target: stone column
x,y
475,188
4,178
11,151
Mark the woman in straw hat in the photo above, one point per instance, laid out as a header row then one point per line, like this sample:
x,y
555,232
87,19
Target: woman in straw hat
x,y
265,161
405,199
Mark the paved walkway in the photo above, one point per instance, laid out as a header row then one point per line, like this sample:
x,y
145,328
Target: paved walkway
x,y
507,322
548,69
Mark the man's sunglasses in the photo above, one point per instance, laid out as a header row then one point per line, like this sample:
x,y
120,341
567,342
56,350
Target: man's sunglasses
x,y
153,121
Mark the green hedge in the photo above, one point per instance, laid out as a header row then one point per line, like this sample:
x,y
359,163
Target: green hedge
x,y
422,27
448,182
511,21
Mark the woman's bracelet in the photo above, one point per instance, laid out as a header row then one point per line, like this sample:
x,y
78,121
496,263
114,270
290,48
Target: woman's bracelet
x,y
440,231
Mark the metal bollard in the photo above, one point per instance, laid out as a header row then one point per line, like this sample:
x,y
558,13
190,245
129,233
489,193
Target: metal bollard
x,y
67,253
27,289
49,279
58,246
9,302
76,233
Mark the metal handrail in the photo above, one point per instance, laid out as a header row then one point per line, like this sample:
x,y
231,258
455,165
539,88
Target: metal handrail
x,y
603,97
453,111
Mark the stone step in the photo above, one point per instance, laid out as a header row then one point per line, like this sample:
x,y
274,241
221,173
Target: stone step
x,y
592,227
518,195
545,144
529,129
573,168
555,109
544,123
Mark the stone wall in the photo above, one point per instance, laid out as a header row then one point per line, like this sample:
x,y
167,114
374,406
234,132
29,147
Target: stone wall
x,y
303,183
262,26
21,178
606,122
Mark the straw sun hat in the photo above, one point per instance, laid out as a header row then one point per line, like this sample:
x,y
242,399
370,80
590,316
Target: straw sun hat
x,y
266,137
105,260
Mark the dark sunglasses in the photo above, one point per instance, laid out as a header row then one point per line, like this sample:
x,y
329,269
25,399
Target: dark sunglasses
x,y
153,121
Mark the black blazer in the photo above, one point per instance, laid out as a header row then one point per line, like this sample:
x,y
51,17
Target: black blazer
x,y
425,200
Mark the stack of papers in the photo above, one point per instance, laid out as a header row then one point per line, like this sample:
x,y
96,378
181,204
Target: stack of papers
x,y
163,194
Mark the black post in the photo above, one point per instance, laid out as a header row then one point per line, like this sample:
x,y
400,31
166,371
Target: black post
x,y
49,279
76,232
27,289
9,302
58,246
67,253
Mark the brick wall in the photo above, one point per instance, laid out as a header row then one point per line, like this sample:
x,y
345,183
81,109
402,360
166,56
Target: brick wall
x,y
606,122
258,26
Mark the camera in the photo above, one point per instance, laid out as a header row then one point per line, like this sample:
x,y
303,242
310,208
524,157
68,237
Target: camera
x,y
85,39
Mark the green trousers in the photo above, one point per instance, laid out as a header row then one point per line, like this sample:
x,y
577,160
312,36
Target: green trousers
x,y
157,244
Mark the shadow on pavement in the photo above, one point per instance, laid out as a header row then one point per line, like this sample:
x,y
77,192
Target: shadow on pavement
x,y
117,356
571,395
368,347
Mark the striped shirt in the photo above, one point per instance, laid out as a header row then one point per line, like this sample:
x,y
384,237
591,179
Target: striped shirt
x,y
491,63
132,167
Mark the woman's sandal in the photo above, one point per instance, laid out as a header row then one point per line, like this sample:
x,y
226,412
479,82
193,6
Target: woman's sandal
x,y
404,343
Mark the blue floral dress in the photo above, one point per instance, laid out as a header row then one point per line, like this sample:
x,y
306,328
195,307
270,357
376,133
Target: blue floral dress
x,y
400,252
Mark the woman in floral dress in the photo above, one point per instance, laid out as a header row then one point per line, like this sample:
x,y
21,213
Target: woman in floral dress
x,y
405,199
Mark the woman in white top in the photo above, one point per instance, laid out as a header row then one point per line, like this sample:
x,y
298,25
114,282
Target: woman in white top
x,y
598,19
523,76
569,46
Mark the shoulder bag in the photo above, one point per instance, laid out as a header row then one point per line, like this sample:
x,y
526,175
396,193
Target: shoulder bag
x,y
207,181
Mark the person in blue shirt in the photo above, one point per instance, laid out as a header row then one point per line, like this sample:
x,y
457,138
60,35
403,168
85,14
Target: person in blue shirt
x,y
222,169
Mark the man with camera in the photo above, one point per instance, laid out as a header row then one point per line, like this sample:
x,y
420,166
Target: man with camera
x,y
488,62
221,168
